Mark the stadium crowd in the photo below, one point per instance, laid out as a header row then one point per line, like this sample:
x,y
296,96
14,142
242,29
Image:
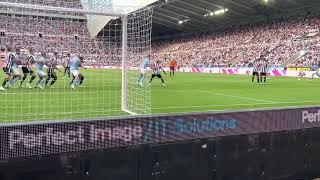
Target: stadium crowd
x,y
58,35
238,46
56,3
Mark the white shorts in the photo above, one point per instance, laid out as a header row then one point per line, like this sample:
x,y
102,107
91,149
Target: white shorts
x,y
15,71
75,73
41,73
143,71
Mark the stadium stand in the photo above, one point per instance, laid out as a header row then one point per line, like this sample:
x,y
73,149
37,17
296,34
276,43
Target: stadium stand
x,y
278,41
61,36
67,3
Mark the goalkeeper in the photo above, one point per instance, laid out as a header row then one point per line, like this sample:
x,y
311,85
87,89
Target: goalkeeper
x,y
143,70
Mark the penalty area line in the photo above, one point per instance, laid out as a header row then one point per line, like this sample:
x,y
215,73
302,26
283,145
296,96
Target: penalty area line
x,y
228,105
213,93
233,96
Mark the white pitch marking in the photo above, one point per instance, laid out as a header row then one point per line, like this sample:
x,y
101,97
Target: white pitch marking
x,y
226,105
239,97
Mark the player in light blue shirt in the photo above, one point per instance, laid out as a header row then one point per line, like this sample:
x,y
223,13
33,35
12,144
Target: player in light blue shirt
x,y
75,64
143,69
40,62
316,69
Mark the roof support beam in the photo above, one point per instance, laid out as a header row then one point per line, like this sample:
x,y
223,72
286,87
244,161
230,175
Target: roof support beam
x,y
172,12
175,19
194,6
171,24
180,15
165,24
197,7
221,7
185,10
240,5
193,13
164,15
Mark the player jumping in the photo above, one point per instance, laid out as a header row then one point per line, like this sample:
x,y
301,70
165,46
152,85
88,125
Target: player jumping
x,y
67,66
42,75
12,68
26,69
52,66
75,64
143,69
156,73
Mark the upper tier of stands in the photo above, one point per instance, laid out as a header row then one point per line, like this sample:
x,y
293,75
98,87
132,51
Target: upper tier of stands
x,y
277,41
56,3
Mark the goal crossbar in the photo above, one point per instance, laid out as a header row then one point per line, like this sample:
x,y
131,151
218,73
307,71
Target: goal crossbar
x,y
59,9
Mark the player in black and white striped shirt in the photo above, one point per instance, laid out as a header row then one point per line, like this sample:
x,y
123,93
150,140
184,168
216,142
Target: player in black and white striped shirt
x,y
12,66
3,59
263,72
156,68
9,58
26,69
255,71
67,71
52,66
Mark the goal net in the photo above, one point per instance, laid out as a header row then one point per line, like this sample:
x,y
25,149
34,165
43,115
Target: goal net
x,y
46,41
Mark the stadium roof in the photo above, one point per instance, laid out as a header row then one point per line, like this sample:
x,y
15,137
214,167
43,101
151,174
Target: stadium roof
x,y
178,16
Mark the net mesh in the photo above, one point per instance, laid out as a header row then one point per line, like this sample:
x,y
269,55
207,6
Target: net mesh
x,y
61,36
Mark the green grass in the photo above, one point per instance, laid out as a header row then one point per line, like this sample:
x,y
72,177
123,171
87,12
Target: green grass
x,y
186,92
211,92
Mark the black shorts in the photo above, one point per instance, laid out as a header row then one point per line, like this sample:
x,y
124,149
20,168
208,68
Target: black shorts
x,y
67,68
172,68
27,70
51,73
263,74
255,73
6,70
156,75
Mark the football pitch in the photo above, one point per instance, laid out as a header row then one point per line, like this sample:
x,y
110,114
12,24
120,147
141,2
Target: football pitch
x,y
185,92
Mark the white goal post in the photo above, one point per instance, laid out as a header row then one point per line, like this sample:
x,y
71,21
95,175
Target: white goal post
x,y
112,60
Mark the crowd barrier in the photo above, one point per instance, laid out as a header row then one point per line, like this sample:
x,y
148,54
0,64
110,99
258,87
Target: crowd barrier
x,y
279,72
273,71
44,138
